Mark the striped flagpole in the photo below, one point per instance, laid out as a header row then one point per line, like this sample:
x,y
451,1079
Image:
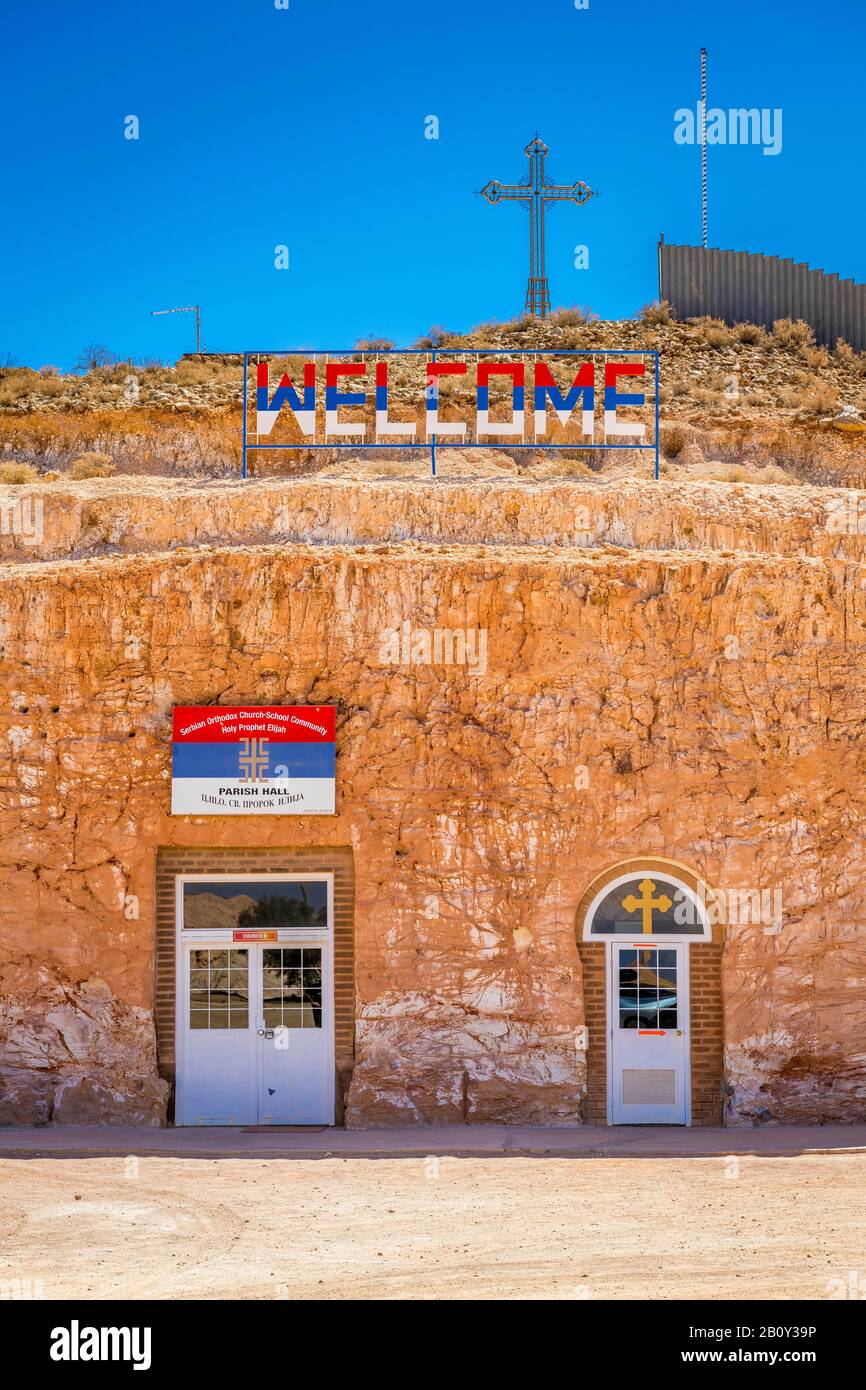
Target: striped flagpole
x,y
704,144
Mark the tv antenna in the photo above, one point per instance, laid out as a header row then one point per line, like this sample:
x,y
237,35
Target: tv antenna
x,y
185,309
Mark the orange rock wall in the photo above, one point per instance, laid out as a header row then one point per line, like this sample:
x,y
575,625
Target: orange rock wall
x,y
704,706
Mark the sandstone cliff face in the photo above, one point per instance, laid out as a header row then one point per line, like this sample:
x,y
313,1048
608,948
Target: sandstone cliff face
x,y
137,516
700,705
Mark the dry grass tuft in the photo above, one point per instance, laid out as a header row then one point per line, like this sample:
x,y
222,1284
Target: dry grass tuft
x,y
713,332
793,333
821,399
815,357
657,312
573,316
92,466
16,473
750,332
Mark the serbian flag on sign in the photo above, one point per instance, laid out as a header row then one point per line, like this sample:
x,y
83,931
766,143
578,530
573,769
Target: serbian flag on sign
x,y
233,760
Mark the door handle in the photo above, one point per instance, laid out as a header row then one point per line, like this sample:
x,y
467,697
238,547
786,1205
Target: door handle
x,y
266,1032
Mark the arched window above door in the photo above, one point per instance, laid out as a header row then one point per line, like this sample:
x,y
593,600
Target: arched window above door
x,y
646,904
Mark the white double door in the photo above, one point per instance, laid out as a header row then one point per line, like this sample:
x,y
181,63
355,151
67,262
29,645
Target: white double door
x,y
255,1033
648,1030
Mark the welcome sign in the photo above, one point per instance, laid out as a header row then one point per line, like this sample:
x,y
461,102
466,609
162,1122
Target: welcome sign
x,y
256,760
404,399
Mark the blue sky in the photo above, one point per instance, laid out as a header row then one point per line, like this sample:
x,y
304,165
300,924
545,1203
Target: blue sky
x,y
304,127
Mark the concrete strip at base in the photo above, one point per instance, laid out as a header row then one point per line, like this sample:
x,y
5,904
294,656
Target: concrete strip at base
x,y
459,1141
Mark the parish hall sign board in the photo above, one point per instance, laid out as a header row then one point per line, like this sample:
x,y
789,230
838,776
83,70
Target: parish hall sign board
x,y
253,761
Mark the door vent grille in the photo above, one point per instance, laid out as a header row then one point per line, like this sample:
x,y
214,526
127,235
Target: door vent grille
x,y
649,1086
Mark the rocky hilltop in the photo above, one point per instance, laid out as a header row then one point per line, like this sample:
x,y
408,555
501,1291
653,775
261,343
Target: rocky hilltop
x,y
736,404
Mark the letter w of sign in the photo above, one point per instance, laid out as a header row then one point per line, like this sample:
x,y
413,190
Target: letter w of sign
x,y
285,394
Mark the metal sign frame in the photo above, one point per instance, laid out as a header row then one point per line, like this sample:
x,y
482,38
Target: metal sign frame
x,y
432,355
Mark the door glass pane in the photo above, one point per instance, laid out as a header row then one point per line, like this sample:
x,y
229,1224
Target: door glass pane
x,y
219,989
647,989
292,987
254,904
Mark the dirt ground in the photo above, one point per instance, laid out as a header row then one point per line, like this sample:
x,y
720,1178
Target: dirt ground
x,y
497,1228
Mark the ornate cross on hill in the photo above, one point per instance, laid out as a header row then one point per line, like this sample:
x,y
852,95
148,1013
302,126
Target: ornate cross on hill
x,y
536,193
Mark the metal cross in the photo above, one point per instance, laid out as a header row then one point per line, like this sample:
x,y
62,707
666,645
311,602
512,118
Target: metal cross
x,y
646,902
536,193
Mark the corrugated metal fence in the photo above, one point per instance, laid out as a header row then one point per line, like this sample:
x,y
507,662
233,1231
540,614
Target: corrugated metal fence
x,y
740,287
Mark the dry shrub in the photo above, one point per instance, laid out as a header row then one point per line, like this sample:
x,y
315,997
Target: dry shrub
x,y
94,357
717,472
91,466
192,373
18,382
844,351
718,337
706,395
793,333
821,398
435,337
573,316
374,344
568,463
15,473
750,332
657,312
713,332
522,324
773,474
484,330
393,468
815,357
672,442
50,386
155,372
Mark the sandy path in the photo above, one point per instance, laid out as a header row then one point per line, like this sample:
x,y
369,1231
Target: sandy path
x,y
448,1228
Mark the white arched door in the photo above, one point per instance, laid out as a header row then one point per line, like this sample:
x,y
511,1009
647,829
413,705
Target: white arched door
x,y
647,920
648,1014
